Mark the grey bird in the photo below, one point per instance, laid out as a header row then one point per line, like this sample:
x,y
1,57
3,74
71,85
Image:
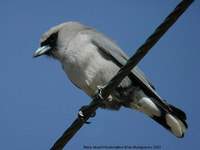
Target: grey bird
x,y
90,60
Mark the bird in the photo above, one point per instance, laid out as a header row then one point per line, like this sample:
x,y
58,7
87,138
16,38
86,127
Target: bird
x,y
90,59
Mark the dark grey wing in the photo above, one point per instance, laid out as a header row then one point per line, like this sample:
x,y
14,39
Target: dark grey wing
x,y
136,70
113,50
109,47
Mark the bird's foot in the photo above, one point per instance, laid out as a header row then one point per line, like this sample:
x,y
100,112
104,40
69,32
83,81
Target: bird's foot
x,y
82,114
99,93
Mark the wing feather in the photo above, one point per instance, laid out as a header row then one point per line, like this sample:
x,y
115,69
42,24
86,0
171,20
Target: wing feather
x,y
114,51
109,47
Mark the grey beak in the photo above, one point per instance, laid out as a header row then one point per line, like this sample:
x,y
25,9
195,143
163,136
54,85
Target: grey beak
x,y
41,51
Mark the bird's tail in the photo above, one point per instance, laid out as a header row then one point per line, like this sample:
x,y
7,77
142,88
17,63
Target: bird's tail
x,y
170,117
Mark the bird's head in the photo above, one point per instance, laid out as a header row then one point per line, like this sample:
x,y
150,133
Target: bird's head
x,y
48,43
54,42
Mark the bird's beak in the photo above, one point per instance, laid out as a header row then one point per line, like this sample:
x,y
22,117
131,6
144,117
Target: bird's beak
x,y
41,51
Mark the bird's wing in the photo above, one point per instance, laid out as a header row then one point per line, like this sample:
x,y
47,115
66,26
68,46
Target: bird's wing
x,y
113,50
109,47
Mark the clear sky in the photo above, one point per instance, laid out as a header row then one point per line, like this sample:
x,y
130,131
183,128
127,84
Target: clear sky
x,y
38,102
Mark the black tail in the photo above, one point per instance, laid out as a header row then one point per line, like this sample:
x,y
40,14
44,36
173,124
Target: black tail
x,y
173,120
170,117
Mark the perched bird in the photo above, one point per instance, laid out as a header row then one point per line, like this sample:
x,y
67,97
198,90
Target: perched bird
x,y
90,60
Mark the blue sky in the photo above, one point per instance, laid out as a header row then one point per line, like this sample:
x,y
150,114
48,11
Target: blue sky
x,y
38,102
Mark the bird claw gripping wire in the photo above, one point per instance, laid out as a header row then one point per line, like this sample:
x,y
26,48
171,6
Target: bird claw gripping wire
x,y
98,92
82,114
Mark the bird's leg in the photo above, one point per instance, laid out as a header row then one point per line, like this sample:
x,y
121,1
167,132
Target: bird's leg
x,y
99,93
82,114
84,109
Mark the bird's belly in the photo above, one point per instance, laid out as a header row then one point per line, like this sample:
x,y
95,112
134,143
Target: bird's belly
x,y
87,66
88,77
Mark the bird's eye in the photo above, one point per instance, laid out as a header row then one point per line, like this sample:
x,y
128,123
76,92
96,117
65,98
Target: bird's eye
x,y
53,37
50,40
